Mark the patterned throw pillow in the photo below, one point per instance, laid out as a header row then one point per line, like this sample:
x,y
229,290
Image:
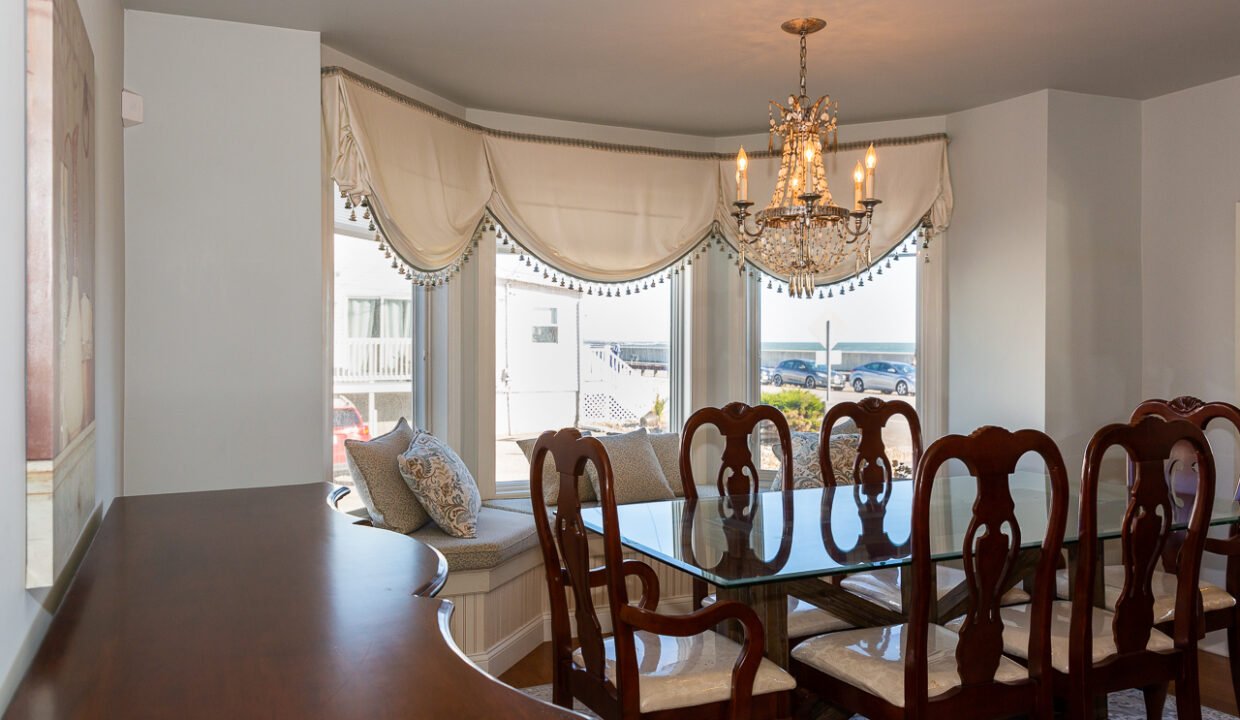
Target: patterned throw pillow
x,y
667,450
441,482
551,478
807,472
635,469
376,477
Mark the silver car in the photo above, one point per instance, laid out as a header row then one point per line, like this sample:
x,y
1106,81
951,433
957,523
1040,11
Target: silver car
x,y
887,377
799,372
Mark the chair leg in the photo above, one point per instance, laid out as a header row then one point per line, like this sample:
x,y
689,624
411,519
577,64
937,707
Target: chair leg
x,y
1233,655
560,693
699,593
1155,698
1187,689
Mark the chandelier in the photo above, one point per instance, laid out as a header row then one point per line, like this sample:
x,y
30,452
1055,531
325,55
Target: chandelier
x,y
802,233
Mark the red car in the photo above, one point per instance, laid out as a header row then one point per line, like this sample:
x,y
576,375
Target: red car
x,y
346,425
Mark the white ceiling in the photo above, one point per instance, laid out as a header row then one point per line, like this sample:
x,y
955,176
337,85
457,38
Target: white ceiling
x,y
708,67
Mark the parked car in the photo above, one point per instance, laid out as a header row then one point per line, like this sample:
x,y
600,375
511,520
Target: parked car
x,y
839,378
886,377
346,425
764,375
799,372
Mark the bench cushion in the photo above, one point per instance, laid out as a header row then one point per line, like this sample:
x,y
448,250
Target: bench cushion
x,y
502,535
526,506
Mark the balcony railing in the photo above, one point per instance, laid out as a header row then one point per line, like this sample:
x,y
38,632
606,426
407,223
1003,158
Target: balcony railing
x,y
373,359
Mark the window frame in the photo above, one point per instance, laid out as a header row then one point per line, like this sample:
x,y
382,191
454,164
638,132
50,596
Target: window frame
x,y
930,346
677,381
420,400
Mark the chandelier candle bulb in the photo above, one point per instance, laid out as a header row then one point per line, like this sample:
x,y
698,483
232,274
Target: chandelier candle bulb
x,y
858,178
742,175
809,168
871,162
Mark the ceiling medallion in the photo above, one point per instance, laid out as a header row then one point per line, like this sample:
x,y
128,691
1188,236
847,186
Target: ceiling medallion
x,y
802,234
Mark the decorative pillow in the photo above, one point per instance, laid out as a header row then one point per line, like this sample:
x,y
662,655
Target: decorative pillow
x,y
667,450
441,482
806,470
376,477
635,469
551,478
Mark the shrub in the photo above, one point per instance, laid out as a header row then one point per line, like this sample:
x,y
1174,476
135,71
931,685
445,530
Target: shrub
x,y
804,410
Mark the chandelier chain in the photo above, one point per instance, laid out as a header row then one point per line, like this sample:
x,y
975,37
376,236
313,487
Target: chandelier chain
x,y
803,54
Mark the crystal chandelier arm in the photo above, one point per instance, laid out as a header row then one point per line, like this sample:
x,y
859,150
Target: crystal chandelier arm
x,y
742,214
861,219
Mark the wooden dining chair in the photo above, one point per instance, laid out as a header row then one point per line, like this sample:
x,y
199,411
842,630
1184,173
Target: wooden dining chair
x,y
737,480
1219,604
653,666
872,475
1095,651
922,669
739,483
736,422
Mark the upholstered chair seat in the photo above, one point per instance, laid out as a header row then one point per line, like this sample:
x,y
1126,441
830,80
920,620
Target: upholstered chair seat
x,y
883,586
1016,634
1163,584
680,672
873,659
804,619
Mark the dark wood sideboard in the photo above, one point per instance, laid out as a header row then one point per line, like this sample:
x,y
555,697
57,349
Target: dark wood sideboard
x,y
257,603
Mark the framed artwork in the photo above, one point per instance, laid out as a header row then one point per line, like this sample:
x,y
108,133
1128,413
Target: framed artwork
x,y
60,286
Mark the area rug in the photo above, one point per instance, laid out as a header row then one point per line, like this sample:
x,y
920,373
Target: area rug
x,y
1127,705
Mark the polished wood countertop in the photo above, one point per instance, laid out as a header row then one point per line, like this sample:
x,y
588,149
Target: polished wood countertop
x,y
256,603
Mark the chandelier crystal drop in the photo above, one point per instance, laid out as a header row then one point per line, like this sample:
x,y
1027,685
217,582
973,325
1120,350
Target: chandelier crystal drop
x,y
802,234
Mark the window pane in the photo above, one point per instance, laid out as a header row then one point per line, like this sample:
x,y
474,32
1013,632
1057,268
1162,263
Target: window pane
x,y
372,348
363,318
567,359
397,318
818,352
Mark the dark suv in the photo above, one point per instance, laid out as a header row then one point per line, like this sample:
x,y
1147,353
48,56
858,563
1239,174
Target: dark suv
x,y
800,372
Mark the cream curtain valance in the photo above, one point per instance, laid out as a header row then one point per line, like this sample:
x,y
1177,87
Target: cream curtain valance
x,y
599,215
426,180
598,212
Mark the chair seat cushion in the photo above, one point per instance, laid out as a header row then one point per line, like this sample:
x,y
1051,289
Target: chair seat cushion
x,y
1016,622
883,586
501,536
1213,597
804,619
683,672
873,659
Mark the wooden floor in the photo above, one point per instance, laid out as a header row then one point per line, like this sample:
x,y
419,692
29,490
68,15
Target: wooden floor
x,y
535,669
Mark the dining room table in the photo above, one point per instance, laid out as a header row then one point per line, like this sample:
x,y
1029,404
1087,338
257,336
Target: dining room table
x,y
761,548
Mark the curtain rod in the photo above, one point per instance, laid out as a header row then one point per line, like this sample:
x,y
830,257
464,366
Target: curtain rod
x,y
387,92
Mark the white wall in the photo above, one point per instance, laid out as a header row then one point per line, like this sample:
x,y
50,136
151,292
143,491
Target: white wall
x,y
1044,274
223,264
996,266
1190,184
24,619
19,609
1093,268
1190,228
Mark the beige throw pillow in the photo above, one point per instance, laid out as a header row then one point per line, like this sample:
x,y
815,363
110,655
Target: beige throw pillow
x,y
807,471
376,477
667,450
443,484
551,478
635,469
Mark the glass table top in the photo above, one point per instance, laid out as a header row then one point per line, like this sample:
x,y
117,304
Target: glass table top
x,y
824,531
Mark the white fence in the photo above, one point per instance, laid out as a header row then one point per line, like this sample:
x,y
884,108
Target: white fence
x,y
371,359
612,391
